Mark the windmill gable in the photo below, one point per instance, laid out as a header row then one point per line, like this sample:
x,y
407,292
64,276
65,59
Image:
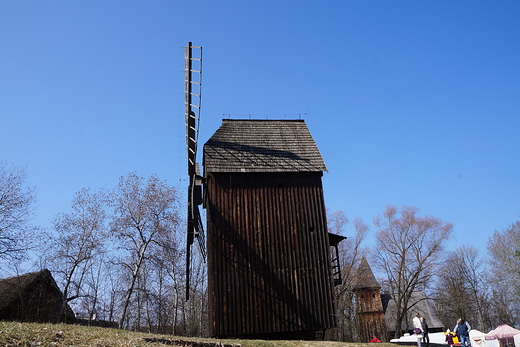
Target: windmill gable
x,y
262,146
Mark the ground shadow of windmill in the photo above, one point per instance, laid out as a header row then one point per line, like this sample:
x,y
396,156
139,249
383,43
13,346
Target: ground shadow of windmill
x,y
270,273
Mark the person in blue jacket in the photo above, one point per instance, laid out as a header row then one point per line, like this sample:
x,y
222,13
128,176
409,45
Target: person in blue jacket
x,y
462,330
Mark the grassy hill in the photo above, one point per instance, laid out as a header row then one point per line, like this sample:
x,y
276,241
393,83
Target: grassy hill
x,y
31,334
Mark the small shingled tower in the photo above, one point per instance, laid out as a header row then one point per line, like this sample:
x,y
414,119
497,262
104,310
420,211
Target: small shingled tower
x,y
369,307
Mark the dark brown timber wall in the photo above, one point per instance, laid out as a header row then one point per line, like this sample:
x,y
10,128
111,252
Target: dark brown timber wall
x,y
268,254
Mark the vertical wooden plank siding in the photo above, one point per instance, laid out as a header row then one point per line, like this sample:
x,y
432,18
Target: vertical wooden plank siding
x,y
371,315
268,254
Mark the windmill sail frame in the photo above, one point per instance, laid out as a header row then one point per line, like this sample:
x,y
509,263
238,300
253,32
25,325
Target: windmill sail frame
x,y
193,92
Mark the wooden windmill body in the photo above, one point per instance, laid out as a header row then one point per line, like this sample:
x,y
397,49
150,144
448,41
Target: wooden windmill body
x,y
269,269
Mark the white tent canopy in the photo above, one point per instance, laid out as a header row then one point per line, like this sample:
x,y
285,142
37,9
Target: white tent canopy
x,y
505,336
477,338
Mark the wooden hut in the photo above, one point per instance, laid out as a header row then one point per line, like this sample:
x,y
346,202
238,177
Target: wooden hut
x,y
269,269
32,297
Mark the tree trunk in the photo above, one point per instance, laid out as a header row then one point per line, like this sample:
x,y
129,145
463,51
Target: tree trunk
x,y
130,290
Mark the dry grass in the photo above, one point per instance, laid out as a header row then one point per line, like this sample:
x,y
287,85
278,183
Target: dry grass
x,y
31,334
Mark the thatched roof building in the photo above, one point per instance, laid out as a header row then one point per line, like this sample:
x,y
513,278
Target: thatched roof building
x,y
33,297
419,303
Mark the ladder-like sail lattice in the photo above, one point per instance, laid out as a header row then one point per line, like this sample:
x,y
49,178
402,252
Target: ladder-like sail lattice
x,y
193,91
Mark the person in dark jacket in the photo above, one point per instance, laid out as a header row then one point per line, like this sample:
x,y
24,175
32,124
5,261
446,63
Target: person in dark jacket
x,y
462,330
425,336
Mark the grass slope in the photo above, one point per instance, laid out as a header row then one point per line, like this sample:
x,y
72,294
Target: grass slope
x,y
33,334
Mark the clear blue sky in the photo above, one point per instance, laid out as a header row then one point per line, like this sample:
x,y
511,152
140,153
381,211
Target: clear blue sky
x,y
410,102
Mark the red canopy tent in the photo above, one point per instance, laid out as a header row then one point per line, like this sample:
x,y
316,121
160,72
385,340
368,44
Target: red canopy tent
x,y
505,335
502,332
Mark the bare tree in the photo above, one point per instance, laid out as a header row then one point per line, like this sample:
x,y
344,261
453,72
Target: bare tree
x,y
16,209
168,261
110,293
143,210
350,254
194,312
408,249
505,274
462,289
80,238
97,288
473,274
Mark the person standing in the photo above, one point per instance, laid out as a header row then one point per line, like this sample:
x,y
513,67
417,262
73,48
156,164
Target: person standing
x,y
425,331
462,330
417,329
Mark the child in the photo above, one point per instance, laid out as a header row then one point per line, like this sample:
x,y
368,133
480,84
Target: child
x,y
449,338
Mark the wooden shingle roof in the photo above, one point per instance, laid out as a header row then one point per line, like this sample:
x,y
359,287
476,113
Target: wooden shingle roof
x,y
262,146
365,279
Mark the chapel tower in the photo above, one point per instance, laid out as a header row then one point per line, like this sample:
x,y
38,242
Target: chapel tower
x,y
369,307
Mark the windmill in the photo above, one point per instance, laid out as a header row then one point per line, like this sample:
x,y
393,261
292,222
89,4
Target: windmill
x,y
193,88
270,272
